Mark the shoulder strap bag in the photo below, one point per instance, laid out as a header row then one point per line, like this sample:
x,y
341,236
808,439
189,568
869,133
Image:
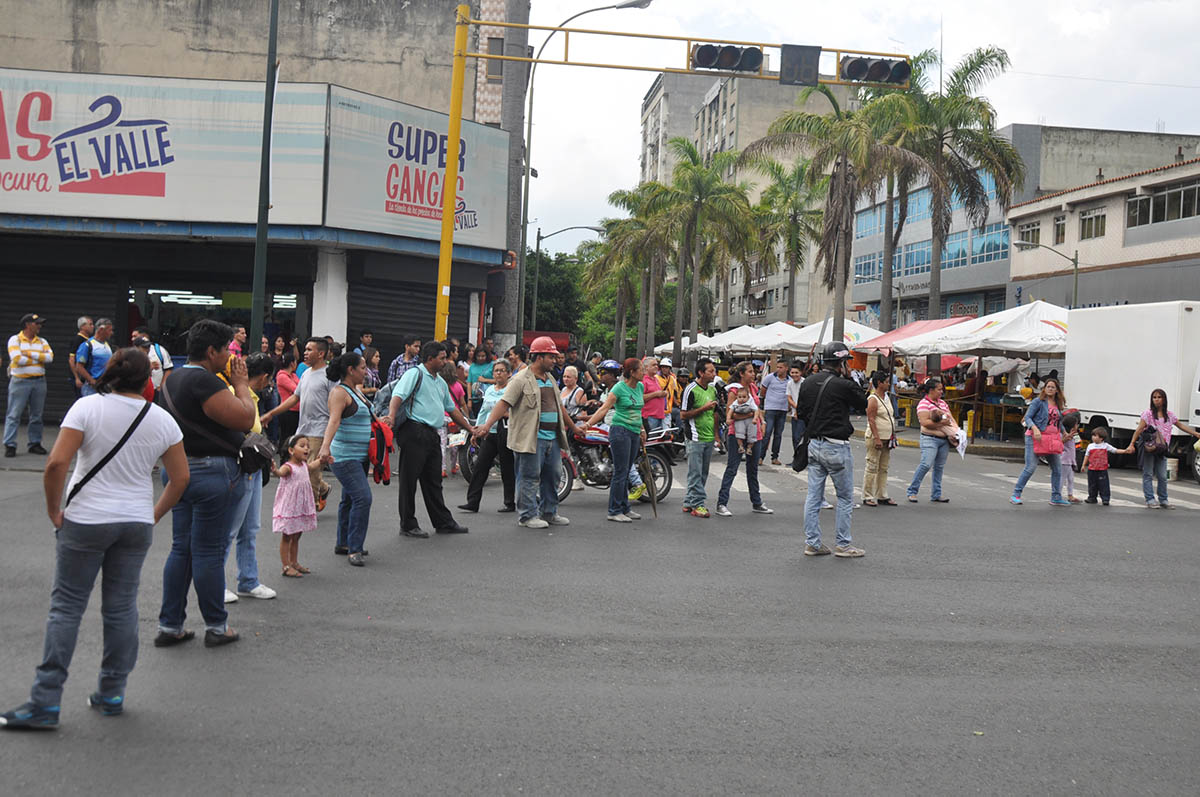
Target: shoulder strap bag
x,y
255,452
403,414
87,477
800,454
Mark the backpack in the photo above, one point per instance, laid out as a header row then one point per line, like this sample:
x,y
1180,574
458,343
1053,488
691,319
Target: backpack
x,y
383,398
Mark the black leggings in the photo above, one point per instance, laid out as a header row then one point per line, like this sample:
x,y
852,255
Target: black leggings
x,y
493,446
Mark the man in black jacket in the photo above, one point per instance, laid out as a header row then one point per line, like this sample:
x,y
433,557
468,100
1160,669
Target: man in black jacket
x,y
826,400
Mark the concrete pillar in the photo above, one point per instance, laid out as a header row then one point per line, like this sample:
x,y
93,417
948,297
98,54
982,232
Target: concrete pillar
x,y
512,119
330,294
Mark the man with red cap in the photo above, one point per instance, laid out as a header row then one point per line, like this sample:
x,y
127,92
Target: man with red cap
x,y
536,434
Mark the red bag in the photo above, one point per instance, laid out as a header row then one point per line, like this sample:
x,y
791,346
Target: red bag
x,y
1050,443
378,449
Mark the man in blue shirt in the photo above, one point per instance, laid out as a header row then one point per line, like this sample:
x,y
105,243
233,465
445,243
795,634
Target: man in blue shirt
x,y
93,355
775,411
422,458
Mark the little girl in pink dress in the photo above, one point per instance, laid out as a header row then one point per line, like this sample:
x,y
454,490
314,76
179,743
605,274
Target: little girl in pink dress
x,y
295,510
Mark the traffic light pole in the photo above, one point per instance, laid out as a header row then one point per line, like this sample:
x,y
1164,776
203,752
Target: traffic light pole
x,y
450,181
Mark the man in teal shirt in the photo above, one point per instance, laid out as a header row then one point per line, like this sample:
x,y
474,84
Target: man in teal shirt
x,y
697,411
422,446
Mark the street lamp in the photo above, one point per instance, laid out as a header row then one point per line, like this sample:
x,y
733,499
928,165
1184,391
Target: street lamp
x,y
537,267
529,148
1074,264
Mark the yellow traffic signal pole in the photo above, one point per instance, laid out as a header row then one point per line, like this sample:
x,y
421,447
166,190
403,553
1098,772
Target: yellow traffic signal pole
x,y
458,79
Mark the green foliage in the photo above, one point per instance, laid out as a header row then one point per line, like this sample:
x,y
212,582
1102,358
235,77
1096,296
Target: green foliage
x,y
560,296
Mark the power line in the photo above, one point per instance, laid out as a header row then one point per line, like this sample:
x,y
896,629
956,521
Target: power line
x,y
1105,80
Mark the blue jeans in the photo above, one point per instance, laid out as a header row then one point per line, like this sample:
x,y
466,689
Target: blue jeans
x,y
934,451
87,390
247,519
1031,463
797,432
119,549
653,424
537,480
734,459
699,461
775,420
836,461
354,510
625,446
1154,466
24,393
200,525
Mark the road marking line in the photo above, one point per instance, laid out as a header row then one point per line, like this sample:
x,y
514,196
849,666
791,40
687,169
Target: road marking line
x,y
1141,495
740,486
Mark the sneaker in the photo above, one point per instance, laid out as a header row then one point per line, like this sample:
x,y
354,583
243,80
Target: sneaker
x,y
700,512
826,505
637,492
620,518
633,515
775,461
1089,500
356,559
230,597
557,520
723,511
687,510
1015,500
819,550
1060,502
1152,504
36,448
577,485
533,523
10,451
262,592
762,509
1106,503
848,552
30,716
1165,505
107,706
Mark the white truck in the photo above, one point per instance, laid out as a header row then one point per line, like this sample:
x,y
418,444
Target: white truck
x,y
1117,355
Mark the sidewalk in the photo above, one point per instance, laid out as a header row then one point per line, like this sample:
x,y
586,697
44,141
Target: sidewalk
x,y
910,438
25,461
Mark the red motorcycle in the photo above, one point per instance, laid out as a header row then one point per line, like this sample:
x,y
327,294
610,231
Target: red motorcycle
x,y
593,464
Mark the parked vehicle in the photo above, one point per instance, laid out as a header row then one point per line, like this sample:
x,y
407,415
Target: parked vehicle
x,y
1117,355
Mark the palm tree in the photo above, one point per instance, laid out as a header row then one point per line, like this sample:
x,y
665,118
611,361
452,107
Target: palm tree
x,y
702,209
788,216
856,148
956,134
645,238
611,265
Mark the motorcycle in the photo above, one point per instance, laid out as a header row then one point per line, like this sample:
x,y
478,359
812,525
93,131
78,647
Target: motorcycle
x,y
468,456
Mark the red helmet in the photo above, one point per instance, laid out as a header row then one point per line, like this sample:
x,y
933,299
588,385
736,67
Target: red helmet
x,y
543,345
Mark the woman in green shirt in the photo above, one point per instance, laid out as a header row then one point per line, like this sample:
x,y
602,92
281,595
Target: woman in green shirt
x,y
624,436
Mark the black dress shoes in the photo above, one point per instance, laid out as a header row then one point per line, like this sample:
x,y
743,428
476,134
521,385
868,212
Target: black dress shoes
x,y
416,532
36,448
340,550
508,508
468,508
456,528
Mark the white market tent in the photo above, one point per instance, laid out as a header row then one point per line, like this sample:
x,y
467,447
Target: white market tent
x,y
666,349
1035,328
780,337
720,341
853,334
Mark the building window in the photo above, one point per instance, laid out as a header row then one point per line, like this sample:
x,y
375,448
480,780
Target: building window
x,y
994,302
990,243
917,257
1060,229
1137,211
866,268
866,223
954,254
1091,223
495,68
785,294
1030,232
919,205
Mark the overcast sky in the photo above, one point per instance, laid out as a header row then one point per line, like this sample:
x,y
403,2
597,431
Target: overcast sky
x,y
587,121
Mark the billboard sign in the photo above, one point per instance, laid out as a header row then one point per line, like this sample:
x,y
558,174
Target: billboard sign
x,y
386,161
112,146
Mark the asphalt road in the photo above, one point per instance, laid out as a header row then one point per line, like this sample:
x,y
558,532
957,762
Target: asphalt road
x,y
978,648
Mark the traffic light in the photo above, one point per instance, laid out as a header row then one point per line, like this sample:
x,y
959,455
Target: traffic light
x,y
863,69
726,58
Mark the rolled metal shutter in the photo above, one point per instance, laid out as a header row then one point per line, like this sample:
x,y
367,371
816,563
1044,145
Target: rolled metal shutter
x,y
392,310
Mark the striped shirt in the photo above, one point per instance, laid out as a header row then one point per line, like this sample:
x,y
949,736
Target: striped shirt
x,y
27,357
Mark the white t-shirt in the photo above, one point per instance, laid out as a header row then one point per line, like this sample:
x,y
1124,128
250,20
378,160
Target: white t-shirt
x,y
793,388
157,374
122,492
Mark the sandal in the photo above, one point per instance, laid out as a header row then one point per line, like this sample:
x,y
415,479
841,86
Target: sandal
x,y
291,572
869,503
888,502
301,569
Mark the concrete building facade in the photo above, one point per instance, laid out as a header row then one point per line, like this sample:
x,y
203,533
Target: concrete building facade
x,y
976,262
668,111
1136,238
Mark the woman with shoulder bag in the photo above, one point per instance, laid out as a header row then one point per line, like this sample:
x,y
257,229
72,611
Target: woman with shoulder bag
x,y
880,439
1152,455
1043,437
105,529
347,439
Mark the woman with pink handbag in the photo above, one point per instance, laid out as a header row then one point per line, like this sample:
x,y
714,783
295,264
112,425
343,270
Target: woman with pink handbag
x,y
1044,438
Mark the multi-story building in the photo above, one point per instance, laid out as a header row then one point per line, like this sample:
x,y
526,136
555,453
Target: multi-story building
x,y
152,216
668,110
1136,238
975,275
734,113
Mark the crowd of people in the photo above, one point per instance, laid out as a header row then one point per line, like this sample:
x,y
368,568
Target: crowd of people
x,y
227,420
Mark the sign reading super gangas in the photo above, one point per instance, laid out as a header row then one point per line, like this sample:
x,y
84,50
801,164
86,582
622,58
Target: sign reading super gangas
x,y
386,164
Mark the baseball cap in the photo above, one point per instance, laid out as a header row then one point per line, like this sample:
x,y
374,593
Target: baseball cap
x,y
32,318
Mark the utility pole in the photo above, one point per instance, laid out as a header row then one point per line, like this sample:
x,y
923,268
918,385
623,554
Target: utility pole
x,y
259,285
